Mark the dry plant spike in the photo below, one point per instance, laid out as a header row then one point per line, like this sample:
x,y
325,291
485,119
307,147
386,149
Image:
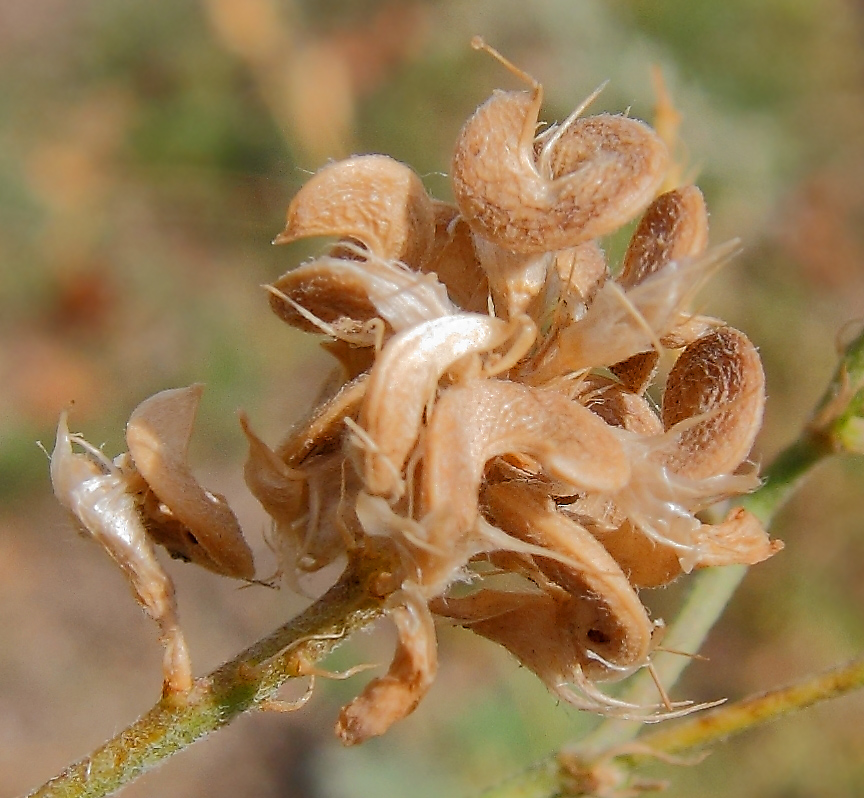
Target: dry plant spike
x,y
674,226
372,199
158,436
590,176
715,396
104,500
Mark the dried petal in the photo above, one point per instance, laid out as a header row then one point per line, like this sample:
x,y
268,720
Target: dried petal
x,y
475,422
322,431
402,385
103,499
395,696
619,324
373,199
158,436
616,405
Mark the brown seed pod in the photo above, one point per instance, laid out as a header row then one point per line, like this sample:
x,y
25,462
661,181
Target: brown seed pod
x,y
158,436
674,226
372,199
637,371
715,396
572,183
591,175
619,632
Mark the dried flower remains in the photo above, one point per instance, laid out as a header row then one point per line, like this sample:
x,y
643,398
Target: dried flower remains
x,y
491,424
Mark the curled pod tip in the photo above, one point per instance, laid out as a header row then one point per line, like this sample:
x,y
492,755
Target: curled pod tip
x,y
590,176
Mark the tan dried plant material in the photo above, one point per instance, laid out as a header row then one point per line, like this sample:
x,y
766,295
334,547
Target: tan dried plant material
x,y
473,423
621,323
372,199
491,412
715,396
476,426
103,497
394,696
577,181
674,226
455,261
206,530
350,299
403,382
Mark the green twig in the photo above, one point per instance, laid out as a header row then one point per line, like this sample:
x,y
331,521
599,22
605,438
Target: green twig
x,y
243,684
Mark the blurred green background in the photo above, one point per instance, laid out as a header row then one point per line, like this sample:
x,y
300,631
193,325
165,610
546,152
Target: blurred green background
x,y
147,154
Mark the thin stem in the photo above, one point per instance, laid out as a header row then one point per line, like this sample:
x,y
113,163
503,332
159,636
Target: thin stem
x,y
700,730
236,687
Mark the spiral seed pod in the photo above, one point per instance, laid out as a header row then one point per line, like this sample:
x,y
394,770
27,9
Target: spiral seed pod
x,y
592,175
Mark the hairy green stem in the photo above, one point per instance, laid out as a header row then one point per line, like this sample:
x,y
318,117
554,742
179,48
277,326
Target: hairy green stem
x,y
246,682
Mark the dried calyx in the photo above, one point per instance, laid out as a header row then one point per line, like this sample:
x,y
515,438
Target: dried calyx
x,y
492,426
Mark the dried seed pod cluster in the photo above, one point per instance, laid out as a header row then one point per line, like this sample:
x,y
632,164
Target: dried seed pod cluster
x,y
490,424
493,421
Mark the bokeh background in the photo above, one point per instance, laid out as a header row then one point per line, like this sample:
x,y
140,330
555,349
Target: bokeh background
x,y
147,154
